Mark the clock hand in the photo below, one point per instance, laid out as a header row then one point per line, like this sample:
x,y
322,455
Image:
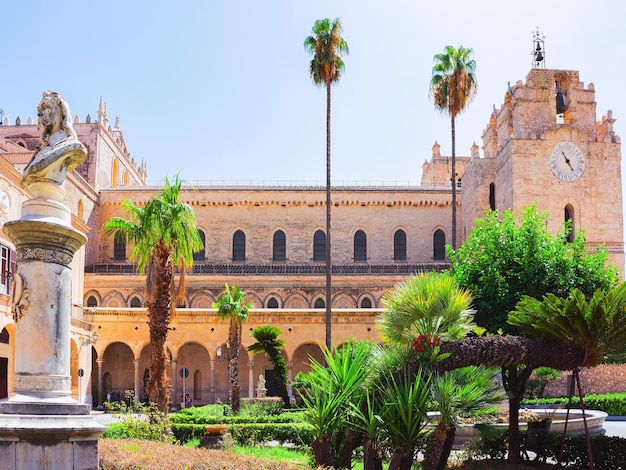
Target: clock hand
x,y
567,161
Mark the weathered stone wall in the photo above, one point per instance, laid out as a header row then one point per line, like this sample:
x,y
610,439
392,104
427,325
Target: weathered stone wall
x,y
605,378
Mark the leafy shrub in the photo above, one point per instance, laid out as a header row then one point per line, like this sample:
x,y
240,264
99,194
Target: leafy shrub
x,y
138,421
612,403
609,453
268,406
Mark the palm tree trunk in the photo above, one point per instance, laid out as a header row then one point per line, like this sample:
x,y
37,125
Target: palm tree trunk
x,y
372,460
401,459
453,132
158,322
434,447
504,351
233,365
514,384
329,265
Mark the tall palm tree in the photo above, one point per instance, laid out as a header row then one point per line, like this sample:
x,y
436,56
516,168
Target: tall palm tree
x,y
267,342
326,45
164,235
452,88
232,306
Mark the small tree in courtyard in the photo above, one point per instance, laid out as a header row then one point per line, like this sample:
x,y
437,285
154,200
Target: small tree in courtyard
x,y
232,306
164,235
267,342
503,260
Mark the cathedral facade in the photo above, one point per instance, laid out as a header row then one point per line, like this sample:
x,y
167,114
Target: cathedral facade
x,y
543,146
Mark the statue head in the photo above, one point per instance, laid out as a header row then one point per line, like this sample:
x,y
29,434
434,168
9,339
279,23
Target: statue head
x,y
54,118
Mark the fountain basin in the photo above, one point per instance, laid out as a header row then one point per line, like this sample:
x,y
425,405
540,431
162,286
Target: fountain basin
x,y
575,424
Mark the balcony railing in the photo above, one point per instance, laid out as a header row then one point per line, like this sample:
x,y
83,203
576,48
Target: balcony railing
x,y
281,268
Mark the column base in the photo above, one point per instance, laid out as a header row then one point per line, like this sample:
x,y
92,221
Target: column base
x,y
30,441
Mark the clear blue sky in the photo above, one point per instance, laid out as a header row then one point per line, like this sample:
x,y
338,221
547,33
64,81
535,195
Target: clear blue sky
x,y
220,89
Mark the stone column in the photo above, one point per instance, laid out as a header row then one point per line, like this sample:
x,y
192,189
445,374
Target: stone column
x,y
175,398
289,379
212,389
100,363
42,426
251,379
138,396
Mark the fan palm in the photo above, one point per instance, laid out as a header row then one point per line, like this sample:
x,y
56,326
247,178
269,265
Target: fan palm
x,y
269,344
233,307
452,87
326,45
164,235
428,306
596,325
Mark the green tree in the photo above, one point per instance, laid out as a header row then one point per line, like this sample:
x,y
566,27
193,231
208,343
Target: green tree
x,y
164,235
452,88
327,46
232,306
268,343
505,258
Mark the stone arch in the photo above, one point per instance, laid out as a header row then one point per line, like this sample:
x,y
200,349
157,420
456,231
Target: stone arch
x,y
257,302
90,296
343,300
363,298
269,297
135,301
118,362
202,300
114,299
196,358
301,357
296,300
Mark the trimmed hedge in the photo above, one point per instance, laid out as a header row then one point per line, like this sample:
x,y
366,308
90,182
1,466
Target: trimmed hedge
x,y
612,403
299,434
609,453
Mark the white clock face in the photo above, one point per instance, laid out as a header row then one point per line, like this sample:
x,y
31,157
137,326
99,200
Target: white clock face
x,y
567,161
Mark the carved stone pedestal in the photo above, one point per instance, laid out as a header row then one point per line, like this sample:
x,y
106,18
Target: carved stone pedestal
x,y
42,426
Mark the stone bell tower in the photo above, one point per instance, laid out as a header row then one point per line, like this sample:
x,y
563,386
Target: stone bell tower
x,y
544,146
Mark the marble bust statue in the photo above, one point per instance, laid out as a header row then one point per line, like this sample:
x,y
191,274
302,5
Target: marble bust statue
x,y
61,151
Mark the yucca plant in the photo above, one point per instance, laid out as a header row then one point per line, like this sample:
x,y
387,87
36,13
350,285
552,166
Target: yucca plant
x,y
460,393
597,325
404,402
327,391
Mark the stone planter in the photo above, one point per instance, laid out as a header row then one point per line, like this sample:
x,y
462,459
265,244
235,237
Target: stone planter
x,y
215,429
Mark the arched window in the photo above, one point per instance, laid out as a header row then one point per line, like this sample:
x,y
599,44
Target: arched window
x,y
569,217
492,196
439,245
279,246
319,246
366,303
135,302
360,246
200,254
119,249
114,173
399,246
4,336
272,303
239,246
92,301
319,303
125,178
80,211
